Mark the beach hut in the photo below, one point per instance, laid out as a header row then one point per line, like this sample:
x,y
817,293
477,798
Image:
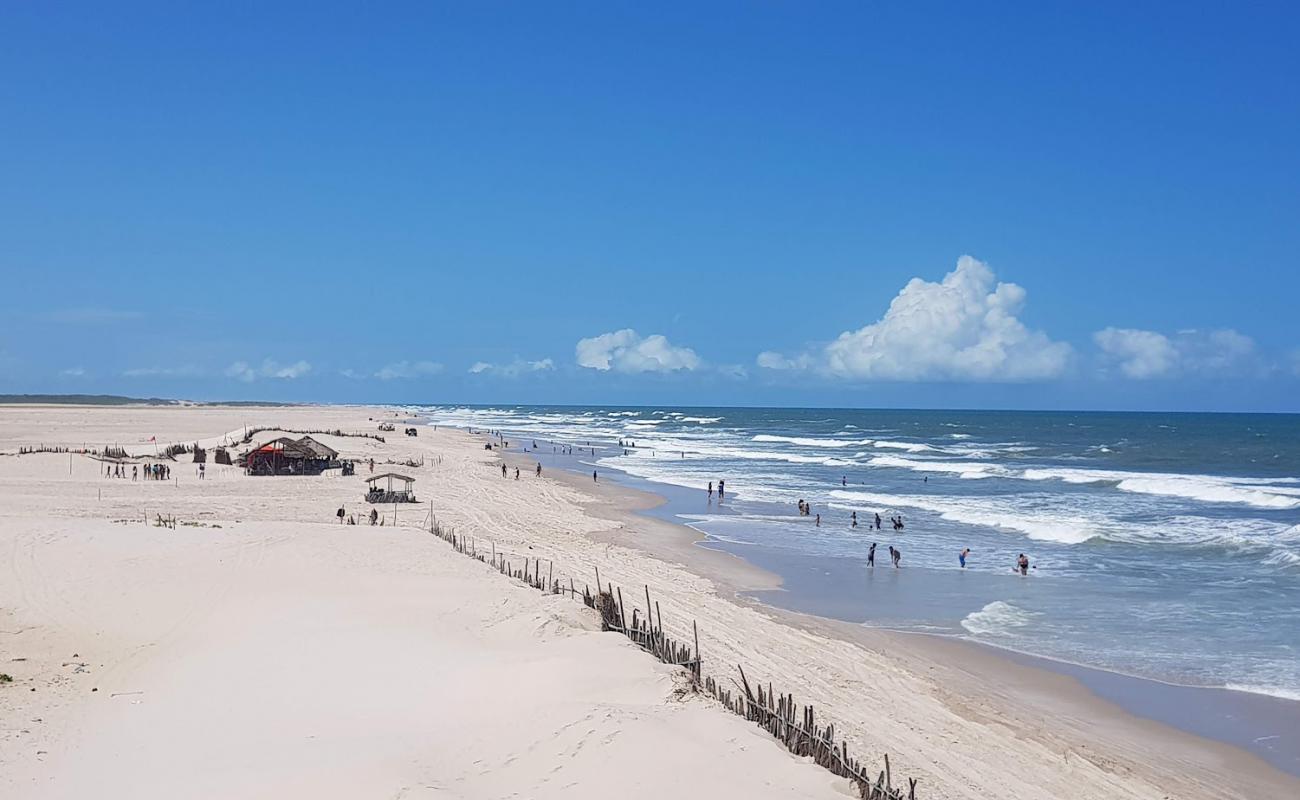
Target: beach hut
x,y
390,488
285,456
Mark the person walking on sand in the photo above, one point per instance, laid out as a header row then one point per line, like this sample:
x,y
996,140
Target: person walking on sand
x,y
1022,563
202,471
341,513
871,555
961,557
593,476
503,469
539,469
516,473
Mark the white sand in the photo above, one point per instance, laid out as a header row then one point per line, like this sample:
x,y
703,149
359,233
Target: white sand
x,y
283,655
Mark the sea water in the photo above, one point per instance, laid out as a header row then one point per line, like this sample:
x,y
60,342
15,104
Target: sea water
x,y
1161,545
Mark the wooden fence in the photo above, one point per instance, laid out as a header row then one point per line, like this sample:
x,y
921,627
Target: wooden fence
x,y
793,725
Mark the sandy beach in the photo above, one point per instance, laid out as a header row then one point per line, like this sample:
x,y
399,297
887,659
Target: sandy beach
x,y
261,649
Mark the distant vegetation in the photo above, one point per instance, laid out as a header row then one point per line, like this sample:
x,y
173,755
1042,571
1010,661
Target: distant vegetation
x,y
84,399
117,400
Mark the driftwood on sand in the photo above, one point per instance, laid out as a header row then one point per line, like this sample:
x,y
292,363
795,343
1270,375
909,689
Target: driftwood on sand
x,y
795,726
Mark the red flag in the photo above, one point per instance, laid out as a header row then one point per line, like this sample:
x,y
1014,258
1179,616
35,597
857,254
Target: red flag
x,y
151,438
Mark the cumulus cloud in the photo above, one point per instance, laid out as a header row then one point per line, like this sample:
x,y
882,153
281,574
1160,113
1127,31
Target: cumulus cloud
x,y
513,369
627,351
243,371
965,327
403,370
1143,354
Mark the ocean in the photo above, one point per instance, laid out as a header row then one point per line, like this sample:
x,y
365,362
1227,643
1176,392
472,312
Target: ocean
x,y
1165,546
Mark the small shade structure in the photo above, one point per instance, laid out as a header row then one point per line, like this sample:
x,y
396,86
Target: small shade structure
x,y
390,488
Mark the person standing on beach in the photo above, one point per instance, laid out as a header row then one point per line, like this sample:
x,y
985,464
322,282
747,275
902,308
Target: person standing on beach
x,y
503,469
539,469
341,514
961,557
710,489
516,473
593,476
871,555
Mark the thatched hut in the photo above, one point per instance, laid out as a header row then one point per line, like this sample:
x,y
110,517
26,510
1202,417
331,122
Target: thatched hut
x,y
285,456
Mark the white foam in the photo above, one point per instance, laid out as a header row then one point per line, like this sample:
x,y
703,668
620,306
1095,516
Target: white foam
x,y
1272,691
998,618
965,469
989,513
807,441
1206,488
702,420
911,447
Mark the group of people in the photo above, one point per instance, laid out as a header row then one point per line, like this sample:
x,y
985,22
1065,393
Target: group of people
x,y
152,472
505,471
722,489
351,519
895,555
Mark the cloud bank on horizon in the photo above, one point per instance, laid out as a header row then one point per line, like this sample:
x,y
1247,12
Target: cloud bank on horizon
x,y
965,327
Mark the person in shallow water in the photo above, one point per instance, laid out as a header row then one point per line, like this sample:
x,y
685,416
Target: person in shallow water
x,y
855,519
962,556
895,555
1022,564
871,555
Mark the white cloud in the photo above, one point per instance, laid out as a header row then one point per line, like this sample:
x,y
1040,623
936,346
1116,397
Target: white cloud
x,y
770,360
513,369
627,351
962,328
1143,354
242,370
73,372
184,371
403,370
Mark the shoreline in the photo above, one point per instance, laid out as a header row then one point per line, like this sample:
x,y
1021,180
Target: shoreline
x,y
1102,698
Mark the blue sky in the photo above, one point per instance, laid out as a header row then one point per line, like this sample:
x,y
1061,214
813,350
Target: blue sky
x,y
473,202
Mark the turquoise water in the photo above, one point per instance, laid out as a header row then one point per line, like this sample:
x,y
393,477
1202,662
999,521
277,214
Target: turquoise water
x,y
1162,545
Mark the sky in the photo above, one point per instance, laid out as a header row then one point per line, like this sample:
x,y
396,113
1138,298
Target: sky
x,y
1039,205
